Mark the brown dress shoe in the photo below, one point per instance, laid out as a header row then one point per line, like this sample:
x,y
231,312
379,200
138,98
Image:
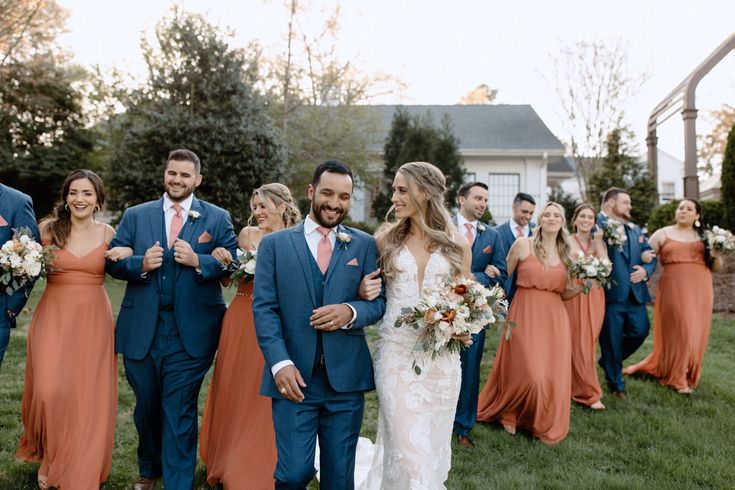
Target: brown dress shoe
x,y
465,442
144,483
619,394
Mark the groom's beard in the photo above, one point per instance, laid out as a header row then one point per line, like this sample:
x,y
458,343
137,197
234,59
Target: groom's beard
x,y
321,217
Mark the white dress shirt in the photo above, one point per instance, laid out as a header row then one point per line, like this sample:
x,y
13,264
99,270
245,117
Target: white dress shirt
x,y
169,212
463,229
514,228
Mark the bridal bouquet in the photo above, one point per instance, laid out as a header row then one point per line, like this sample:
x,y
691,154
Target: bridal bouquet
x,y
719,239
461,307
588,268
614,233
23,260
243,268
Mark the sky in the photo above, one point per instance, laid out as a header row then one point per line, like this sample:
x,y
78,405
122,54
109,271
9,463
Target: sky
x,y
443,49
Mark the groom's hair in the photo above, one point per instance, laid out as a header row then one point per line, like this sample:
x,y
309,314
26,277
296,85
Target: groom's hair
x,y
334,166
186,156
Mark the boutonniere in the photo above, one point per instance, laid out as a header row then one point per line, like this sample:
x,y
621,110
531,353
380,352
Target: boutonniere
x,y
480,227
194,215
344,238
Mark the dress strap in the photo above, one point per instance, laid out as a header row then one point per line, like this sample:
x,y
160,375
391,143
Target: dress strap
x,y
584,249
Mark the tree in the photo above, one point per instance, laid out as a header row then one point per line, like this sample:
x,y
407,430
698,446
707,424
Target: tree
x,y
712,145
415,138
197,96
28,28
320,100
567,201
480,95
620,169
593,83
728,182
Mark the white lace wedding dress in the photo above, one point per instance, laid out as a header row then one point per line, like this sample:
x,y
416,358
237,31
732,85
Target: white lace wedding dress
x,y
413,447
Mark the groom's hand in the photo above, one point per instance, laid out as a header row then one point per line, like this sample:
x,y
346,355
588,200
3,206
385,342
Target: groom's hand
x,y
370,286
289,382
153,258
331,317
638,275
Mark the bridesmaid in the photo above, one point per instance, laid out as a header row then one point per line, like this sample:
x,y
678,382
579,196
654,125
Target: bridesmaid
x,y
683,311
237,440
530,385
70,394
586,313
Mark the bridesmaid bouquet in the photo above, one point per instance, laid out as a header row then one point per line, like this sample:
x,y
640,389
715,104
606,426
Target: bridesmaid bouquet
x,y
719,239
23,260
461,307
244,266
614,233
588,268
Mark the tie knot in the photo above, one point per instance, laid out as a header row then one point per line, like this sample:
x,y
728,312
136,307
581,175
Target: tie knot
x,y
323,231
519,230
177,207
468,226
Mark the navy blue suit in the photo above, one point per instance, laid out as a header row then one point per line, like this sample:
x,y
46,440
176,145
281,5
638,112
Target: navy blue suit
x,y
16,211
168,330
626,322
487,249
336,366
508,236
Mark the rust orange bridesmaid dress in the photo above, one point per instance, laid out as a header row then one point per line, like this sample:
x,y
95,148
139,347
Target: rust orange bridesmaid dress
x,y
682,317
586,314
69,400
530,385
237,439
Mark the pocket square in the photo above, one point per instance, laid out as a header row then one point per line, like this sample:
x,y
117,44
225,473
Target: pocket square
x,y
204,238
487,249
353,262
3,222
641,239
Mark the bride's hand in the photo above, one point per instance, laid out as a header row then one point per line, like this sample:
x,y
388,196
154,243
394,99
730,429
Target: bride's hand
x,y
222,255
118,253
466,339
370,286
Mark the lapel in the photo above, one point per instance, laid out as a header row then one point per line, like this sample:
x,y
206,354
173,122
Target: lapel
x,y
477,245
190,226
302,250
339,249
628,247
157,224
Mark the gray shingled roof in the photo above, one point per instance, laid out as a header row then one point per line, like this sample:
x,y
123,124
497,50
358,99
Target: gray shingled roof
x,y
486,127
561,164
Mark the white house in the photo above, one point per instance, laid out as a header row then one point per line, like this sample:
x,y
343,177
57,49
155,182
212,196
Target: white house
x,y
508,147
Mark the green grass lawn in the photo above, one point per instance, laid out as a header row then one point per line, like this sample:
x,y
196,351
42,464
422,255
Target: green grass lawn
x,y
655,438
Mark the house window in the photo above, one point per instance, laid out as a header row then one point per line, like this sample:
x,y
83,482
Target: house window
x,y
668,191
502,189
470,177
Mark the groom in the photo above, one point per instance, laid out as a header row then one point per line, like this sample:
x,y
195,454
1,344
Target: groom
x,y
626,320
310,324
169,322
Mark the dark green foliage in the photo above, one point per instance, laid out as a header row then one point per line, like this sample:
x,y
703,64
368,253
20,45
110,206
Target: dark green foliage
x,y
620,169
414,139
568,202
663,215
42,134
198,97
728,182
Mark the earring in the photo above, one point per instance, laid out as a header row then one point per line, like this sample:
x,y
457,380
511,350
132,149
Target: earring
x,y
96,209
697,224
66,206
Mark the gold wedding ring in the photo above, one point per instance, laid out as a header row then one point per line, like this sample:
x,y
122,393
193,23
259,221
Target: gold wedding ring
x,y
283,390
332,323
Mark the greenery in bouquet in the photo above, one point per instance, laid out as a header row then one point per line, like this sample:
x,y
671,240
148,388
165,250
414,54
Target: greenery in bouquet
x,y
588,268
614,233
243,268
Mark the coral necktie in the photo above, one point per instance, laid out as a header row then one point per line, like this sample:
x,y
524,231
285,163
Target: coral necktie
x,y
468,233
177,222
323,249
519,231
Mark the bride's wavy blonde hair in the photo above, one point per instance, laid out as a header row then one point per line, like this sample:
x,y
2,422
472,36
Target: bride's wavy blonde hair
x,y
562,238
433,218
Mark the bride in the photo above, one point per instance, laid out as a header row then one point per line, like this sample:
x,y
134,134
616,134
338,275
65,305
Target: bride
x,y
417,250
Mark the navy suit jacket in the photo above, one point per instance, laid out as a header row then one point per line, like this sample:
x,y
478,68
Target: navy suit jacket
x,y
16,210
487,248
507,237
623,262
284,298
198,302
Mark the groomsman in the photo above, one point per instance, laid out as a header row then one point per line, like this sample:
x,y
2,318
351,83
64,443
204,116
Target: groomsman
x,y
626,320
169,322
16,211
519,225
488,266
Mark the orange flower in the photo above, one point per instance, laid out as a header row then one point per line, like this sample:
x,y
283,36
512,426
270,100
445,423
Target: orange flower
x,y
448,316
429,315
460,289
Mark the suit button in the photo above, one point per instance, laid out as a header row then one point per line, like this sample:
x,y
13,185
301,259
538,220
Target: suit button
x,y
164,278
324,283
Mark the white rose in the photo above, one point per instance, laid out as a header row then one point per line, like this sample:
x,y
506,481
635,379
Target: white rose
x,y
34,269
250,266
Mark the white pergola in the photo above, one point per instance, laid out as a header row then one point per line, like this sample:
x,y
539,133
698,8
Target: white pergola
x,y
682,98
